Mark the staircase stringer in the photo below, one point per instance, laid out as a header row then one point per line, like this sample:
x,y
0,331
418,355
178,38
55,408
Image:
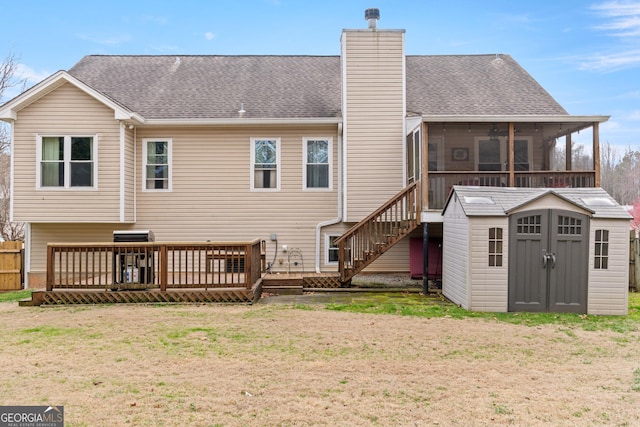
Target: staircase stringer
x,y
367,240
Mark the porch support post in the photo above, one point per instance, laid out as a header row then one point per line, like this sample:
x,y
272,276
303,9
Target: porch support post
x,y
424,166
596,152
512,175
425,258
567,152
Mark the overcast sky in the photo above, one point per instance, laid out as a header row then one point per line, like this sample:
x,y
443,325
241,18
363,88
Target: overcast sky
x,y
586,54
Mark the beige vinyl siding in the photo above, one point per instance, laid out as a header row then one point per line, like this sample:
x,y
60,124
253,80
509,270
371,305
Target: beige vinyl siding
x,y
211,196
374,112
551,201
609,288
128,170
42,234
67,111
489,286
455,256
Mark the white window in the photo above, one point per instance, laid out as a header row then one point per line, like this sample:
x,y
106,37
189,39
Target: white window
x,y
491,154
66,161
265,164
157,164
318,154
330,249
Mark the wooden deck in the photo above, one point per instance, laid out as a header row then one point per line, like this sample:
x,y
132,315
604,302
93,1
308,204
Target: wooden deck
x,y
148,296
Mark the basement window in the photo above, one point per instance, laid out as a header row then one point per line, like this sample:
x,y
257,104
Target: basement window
x,y
495,247
601,259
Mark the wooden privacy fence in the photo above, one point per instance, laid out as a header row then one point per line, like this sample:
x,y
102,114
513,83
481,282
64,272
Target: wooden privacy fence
x,y
634,262
128,266
11,258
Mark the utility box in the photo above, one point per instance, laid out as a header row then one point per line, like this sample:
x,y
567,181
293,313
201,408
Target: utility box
x,y
133,267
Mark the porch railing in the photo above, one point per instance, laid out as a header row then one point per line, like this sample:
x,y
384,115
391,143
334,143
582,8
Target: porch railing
x,y
116,266
440,183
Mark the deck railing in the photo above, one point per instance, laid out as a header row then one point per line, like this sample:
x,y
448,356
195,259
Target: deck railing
x,y
116,266
440,183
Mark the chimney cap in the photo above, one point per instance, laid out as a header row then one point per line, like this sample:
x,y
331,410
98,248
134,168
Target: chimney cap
x,y
372,15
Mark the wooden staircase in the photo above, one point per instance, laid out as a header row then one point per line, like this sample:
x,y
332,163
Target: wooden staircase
x,y
367,240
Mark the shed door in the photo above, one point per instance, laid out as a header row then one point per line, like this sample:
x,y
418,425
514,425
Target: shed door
x,y
549,256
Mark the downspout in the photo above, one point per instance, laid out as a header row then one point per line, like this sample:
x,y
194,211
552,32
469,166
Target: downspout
x,y
338,218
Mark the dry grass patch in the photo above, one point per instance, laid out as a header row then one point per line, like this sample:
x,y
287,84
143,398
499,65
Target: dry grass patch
x,y
283,365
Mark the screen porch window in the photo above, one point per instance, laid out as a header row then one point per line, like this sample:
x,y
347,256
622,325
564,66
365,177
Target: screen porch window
x,y
157,168
67,162
317,164
265,164
492,154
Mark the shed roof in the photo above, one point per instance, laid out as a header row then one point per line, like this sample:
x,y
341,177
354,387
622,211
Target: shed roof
x,y
501,201
213,86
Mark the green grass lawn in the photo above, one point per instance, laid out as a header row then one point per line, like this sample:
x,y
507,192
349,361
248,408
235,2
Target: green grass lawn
x,y
421,306
418,305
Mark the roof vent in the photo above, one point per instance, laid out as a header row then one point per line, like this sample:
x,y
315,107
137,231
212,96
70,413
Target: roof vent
x,y
372,15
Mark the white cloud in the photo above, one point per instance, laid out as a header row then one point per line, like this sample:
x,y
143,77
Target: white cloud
x,y
611,61
160,20
623,18
209,35
24,72
106,41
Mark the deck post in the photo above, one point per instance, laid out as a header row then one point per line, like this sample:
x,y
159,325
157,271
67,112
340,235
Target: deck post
x,y
50,268
511,161
248,265
164,267
425,258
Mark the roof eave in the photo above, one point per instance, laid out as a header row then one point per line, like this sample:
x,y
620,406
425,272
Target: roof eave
x,y
242,121
522,118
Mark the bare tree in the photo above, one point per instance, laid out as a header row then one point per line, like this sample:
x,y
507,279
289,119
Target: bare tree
x,y
8,230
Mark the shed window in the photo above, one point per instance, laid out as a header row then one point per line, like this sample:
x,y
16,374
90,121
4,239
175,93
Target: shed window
x,y
569,226
530,224
495,247
601,260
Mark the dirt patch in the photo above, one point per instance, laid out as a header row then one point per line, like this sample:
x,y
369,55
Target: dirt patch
x,y
271,364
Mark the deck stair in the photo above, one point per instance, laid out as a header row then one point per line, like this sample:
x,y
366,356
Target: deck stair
x,y
367,240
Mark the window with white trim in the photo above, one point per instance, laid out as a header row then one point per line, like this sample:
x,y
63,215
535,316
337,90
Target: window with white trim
x,y
66,161
156,172
331,249
318,153
265,164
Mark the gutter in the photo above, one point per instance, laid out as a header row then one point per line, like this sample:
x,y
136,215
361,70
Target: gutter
x,y
338,218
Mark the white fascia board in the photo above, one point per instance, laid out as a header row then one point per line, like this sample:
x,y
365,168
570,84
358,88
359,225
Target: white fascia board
x,y
11,108
240,122
515,118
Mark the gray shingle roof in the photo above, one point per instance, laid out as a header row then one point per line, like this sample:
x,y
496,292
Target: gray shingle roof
x,y
186,87
201,87
474,85
499,201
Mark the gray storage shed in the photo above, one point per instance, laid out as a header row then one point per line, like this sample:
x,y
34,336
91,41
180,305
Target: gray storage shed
x,y
536,249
